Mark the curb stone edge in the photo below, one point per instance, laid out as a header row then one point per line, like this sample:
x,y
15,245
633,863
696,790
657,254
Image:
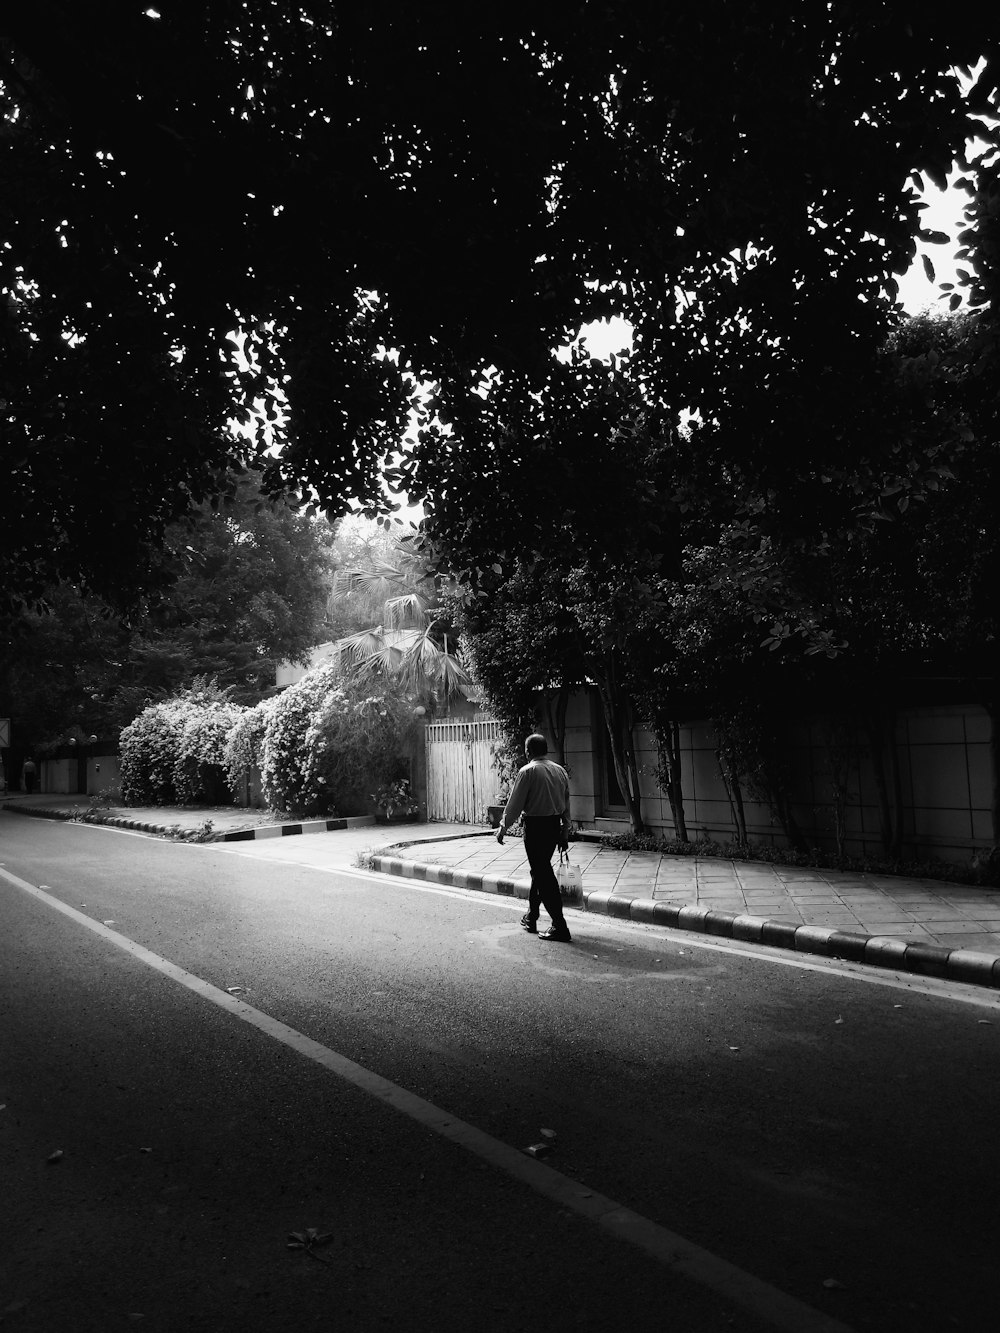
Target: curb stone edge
x,y
934,960
235,835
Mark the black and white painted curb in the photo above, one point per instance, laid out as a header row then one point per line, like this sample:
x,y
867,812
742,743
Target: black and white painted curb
x,y
289,830
928,960
237,835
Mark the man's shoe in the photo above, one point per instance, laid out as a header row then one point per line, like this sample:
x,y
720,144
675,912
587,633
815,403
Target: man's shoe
x,y
558,933
530,924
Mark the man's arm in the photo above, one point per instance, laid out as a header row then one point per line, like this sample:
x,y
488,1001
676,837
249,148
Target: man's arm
x,y
515,803
566,822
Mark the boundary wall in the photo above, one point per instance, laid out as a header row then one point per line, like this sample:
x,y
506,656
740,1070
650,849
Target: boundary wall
x,y
945,784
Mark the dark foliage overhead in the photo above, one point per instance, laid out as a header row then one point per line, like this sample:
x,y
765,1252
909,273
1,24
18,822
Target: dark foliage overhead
x,y
465,184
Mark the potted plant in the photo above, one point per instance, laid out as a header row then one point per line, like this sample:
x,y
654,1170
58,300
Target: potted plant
x,y
395,803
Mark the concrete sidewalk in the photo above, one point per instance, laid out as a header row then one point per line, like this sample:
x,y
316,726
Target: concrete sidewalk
x,y
222,823
227,823
927,926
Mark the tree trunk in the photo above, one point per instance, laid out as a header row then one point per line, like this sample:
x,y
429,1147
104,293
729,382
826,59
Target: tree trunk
x,y
991,709
875,729
671,755
556,718
841,750
617,719
895,791
732,785
789,824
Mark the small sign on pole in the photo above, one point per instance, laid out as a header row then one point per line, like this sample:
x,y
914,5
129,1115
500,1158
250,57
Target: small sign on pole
x,y
4,732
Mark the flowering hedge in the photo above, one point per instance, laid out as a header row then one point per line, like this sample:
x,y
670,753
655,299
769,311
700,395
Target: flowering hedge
x,y
199,772
244,749
172,752
322,746
288,779
149,747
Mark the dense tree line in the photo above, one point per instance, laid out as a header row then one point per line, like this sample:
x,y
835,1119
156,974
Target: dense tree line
x,y
677,598
249,588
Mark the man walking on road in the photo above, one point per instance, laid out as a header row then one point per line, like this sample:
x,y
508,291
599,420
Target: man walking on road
x,y
541,795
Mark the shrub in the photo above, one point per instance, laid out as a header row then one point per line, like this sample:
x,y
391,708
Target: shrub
x,y
355,742
149,746
168,750
288,778
244,749
329,742
199,772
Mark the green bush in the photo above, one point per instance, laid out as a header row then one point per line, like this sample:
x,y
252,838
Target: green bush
x,y
244,748
322,745
354,743
199,772
149,747
172,752
328,742
289,779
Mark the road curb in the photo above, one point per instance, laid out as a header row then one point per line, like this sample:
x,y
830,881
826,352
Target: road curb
x,y
18,809
236,835
290,830
934,960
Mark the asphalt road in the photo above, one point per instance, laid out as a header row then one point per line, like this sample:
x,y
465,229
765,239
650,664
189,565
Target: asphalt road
x,y
822,1135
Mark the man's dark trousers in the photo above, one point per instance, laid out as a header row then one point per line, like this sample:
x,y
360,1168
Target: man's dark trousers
x,y
541,837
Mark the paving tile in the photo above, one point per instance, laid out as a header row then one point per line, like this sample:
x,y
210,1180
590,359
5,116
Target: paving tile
x,y
928,912
824,917
914,900
907,928
889,911
962,941
956,927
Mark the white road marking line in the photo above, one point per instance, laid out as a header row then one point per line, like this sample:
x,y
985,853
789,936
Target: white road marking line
x,y
781,1311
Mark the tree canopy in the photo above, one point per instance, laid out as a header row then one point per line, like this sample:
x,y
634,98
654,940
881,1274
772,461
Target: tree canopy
x,y
367,199
249,587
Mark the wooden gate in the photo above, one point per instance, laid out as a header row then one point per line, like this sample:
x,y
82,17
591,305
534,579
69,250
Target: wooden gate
x,y
462,773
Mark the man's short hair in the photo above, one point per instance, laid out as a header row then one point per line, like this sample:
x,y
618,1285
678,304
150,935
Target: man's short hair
x,y
535,746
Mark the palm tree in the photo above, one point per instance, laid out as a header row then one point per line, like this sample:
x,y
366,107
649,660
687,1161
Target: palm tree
x,y
406,637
